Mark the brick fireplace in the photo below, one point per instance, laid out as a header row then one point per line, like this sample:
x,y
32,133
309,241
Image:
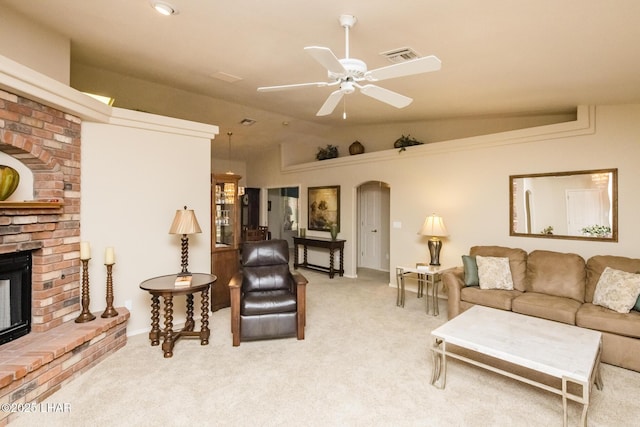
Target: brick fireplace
x,y
47,141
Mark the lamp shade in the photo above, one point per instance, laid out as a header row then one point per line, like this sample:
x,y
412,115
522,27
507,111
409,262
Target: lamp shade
x,y
185,222
434,226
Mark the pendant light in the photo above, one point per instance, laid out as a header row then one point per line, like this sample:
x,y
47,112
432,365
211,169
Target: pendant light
x,y
229,172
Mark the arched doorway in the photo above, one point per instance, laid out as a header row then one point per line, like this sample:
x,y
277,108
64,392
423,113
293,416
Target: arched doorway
x,y
373,200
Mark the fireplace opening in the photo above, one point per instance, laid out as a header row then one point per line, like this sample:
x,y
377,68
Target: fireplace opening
x,y
15,295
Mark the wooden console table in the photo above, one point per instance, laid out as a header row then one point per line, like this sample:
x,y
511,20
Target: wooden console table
x,y
319,242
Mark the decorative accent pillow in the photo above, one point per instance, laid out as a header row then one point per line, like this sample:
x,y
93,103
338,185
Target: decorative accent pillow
x,y
470,271
617,290
494,273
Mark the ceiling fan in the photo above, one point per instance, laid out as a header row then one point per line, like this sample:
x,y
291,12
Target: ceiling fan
x,y
347,73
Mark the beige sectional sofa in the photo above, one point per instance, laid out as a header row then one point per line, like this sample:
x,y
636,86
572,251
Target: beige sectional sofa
x,y
555,286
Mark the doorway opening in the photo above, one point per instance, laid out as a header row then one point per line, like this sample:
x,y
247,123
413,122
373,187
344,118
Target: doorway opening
x,y
283,205
373,201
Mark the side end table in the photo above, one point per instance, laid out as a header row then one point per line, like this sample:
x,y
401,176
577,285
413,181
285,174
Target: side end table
x,y
426,276
164,286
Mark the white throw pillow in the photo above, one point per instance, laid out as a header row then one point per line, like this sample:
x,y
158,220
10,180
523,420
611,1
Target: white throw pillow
x,y
494,273
617,290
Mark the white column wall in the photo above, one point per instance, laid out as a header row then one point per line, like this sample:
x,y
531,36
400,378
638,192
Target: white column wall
x,y
133,181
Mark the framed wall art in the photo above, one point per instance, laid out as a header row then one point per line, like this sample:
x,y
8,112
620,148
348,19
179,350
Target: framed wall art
x,y
324,208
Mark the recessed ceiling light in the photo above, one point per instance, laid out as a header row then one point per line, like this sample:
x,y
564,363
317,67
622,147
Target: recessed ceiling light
x,y
164,8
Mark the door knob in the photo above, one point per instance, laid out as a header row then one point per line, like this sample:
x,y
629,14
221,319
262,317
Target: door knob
x,y
374,231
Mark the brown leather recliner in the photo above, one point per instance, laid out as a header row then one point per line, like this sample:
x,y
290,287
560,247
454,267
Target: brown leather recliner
x,y
267,300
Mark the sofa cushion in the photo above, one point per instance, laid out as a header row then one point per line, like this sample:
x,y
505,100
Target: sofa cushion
x,y
557,274
517,261
597,264
551,307
602,319
470,271
494,273
617,290
496,298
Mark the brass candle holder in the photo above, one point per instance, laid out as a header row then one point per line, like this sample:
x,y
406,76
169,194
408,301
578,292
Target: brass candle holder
x,y
85,314
109,311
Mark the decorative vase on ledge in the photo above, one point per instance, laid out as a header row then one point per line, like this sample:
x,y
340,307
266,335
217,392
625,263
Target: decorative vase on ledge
x,y
356,148
9,180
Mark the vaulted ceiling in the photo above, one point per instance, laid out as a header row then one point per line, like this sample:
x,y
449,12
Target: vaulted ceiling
x,y
498,56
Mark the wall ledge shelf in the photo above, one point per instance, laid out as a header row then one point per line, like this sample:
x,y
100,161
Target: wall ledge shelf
x,y
583,125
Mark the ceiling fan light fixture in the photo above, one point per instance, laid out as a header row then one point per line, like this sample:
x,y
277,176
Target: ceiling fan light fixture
x,y
348,72
164,8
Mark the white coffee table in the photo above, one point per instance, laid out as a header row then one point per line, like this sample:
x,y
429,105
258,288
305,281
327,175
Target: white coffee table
x,y
563,351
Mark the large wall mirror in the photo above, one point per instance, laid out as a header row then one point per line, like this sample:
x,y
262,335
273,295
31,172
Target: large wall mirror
x,y
565,205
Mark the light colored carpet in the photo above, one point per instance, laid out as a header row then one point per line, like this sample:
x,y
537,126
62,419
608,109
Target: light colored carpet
x,y
364,362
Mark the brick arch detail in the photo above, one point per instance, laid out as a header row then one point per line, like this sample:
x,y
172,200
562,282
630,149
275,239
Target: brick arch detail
x,y
48,179
29,151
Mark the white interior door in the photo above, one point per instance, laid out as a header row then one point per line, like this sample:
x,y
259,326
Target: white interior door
x,y
373,231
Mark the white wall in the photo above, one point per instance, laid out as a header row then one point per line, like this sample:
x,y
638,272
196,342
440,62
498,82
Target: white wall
x,y
34,46
133,181
466,181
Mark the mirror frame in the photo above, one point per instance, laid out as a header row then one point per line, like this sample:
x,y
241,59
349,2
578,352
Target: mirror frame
x,y
614,205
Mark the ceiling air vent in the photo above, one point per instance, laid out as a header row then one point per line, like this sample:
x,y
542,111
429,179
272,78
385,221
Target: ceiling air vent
x,y
402,54
247,122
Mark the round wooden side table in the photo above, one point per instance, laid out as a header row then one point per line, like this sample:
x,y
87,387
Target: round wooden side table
x,y
165,287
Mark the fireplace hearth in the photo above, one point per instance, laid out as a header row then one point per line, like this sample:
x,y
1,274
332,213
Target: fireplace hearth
x,y
15,295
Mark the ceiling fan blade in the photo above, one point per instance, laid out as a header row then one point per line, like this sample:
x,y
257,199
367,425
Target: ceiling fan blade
x,y
293,86
385,95
326,58
415,66
331,103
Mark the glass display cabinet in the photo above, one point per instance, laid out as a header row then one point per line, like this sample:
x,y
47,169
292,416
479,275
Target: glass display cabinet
x,y
225,226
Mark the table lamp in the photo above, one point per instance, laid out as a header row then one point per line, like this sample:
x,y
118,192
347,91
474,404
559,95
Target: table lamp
x,y
185,223
434,226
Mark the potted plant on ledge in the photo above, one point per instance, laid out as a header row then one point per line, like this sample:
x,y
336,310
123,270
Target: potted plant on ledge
x,y
329,152
405,141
